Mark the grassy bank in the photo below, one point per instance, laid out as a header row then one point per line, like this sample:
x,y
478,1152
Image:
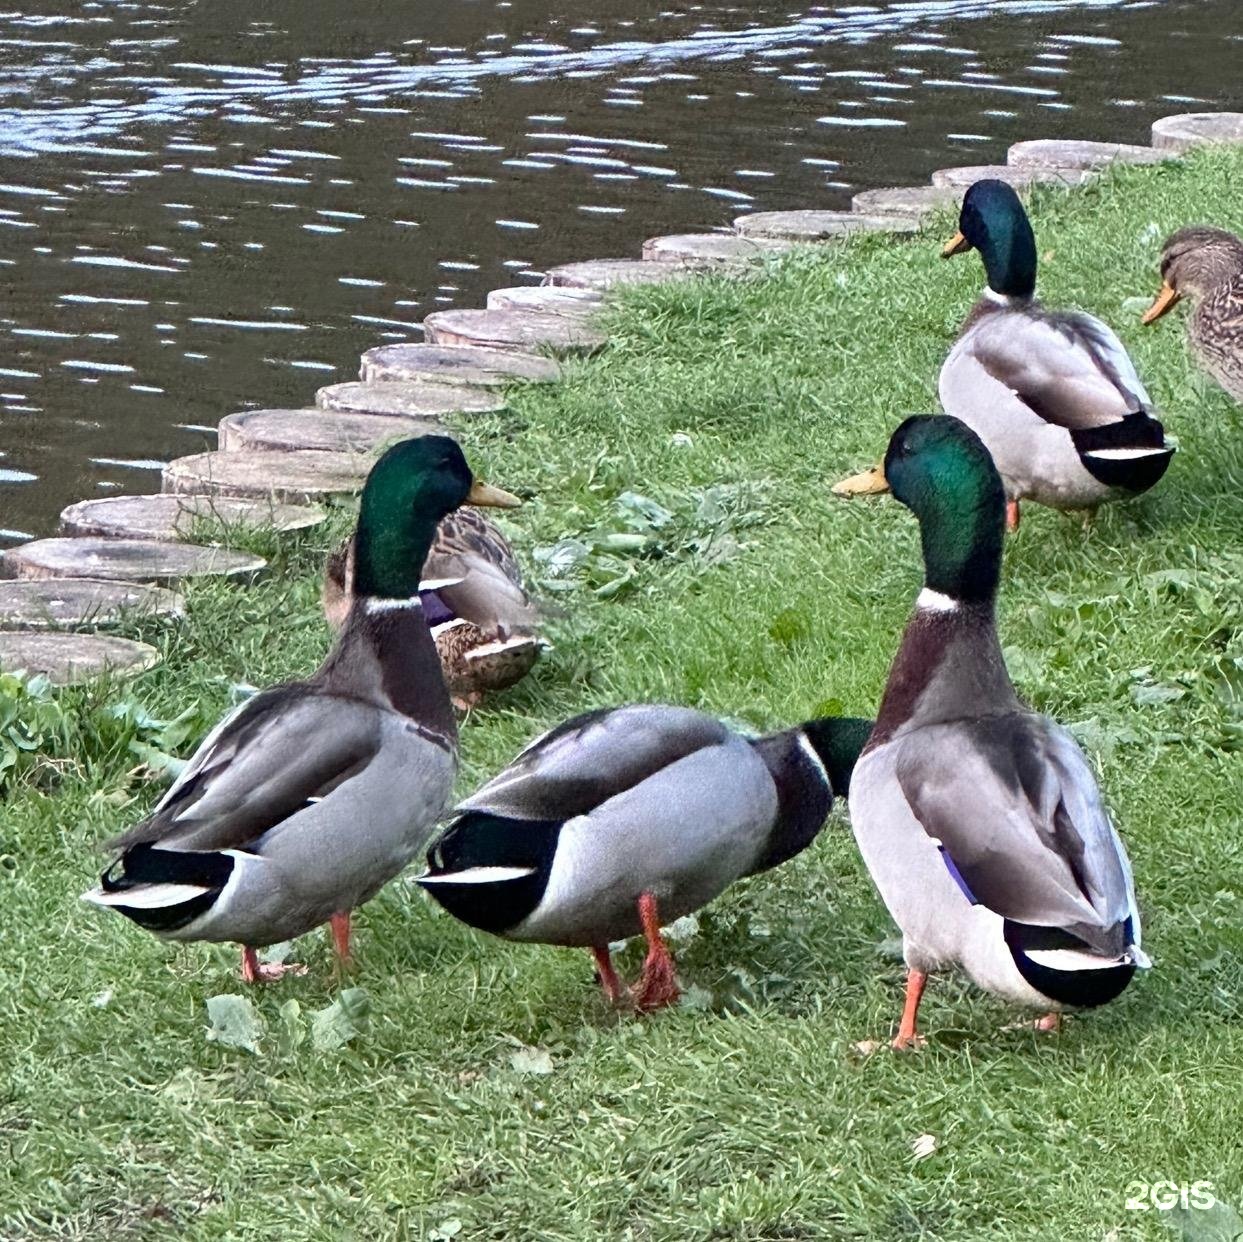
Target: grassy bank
x,y
707,436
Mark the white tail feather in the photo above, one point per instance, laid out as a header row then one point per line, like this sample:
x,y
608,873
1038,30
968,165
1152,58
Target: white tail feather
x,y
476,875
502,644
147,896
1077,959
1125,454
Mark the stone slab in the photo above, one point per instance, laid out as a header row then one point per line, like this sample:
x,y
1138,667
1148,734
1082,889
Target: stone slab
x,y
411,399
1079,153
68,658
914,201
292,478
512,330
603,274
1021,177
72,603
711,248
177,517
813,226
455,364
126,560
1194,129
331,430
547,299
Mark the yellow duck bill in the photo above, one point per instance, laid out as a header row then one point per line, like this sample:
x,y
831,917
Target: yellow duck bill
x,y
870,482
1165,301
489,497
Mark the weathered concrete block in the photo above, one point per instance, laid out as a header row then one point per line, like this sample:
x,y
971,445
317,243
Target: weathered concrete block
x,y
813,226
547,299
330,430
127,560
603,274
1020,177
411,399
292,478
512,330
74,603
711,248
1194,129
455,364
69,658
1079,153
914,201
177,517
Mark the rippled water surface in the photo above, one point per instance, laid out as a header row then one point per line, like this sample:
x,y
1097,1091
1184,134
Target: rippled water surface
x,y
206,206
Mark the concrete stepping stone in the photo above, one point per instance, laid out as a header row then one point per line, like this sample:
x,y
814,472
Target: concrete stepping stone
x,y
1194,129
512,330
915,201
813,226
1079,153
127,560
1021,177
180,517
603,274
65,659
547,299
332,430
412,399
70,603
289,477
711,248
455,364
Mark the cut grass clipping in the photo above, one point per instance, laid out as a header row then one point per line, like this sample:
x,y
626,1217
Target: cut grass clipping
x,y
458,1086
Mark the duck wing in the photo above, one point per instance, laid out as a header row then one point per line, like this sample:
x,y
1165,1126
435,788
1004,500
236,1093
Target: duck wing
x,y
591,758
1069,368
1012,802
276,754
483,582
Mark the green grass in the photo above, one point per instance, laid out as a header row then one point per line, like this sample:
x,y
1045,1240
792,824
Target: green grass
x,y
750,591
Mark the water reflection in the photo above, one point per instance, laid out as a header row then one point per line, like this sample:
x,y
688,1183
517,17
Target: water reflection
x,y
203,209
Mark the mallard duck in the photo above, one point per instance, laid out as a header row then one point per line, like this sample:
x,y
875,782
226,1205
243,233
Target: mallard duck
x,y
483,621
625,818
979,819
304,802
1206,265
1052,394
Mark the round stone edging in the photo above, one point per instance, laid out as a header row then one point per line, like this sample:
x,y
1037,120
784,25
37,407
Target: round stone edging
x,y
482,349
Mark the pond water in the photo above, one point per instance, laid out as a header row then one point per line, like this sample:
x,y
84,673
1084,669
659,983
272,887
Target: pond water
x,y
208,206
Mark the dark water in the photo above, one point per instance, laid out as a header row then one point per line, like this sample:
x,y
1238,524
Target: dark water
x,y
205,206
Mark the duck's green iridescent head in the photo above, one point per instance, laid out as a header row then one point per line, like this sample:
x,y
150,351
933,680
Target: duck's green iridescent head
x,y
992,221
409,490
939,468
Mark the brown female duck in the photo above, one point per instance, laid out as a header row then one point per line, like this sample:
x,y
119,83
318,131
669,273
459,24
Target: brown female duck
x,y
1206,266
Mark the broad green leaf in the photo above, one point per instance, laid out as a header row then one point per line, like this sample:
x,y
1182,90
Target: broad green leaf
x,y
234,1022
334,1027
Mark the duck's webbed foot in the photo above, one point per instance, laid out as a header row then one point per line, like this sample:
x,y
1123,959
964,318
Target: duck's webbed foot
x,y
658,985
255,971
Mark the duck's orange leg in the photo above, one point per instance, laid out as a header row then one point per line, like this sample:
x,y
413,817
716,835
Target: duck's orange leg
x,y
340,924
907,1036
609,981
658,985
1013,517
255,971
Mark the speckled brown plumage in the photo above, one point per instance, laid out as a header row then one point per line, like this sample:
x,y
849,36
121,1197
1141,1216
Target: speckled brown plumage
x,y
490,641
1206,266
